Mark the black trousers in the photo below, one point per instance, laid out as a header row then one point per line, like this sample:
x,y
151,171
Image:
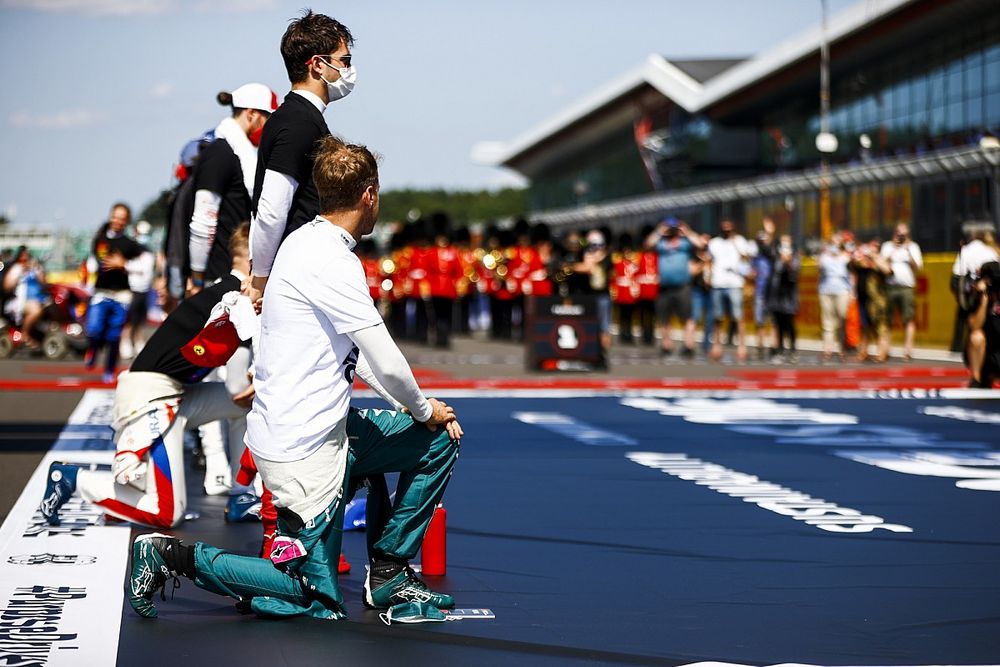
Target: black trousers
x,y
442,309
647,318
785,323
421,320
626,315
502,316
397,319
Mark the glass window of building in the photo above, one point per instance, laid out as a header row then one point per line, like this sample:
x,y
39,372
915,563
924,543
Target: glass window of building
x,y
993,111
953,82
974,112
973,74
992,68
919,101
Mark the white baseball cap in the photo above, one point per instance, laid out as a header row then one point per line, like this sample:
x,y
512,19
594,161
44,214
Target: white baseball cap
x,y
255,96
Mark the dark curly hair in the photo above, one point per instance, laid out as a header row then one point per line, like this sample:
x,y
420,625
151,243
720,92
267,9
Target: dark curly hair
x,y
310,35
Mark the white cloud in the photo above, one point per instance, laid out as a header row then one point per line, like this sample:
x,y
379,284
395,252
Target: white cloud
x,y
60,120
503,178
162,90
234,6
488,152
95,7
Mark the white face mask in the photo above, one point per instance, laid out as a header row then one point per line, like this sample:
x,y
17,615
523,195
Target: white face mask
x,y
342,87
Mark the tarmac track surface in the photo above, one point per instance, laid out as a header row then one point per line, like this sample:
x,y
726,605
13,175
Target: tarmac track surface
x,y
670,528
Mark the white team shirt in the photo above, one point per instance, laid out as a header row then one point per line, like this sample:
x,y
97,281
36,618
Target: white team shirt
x,y
316,295
899,258
729,261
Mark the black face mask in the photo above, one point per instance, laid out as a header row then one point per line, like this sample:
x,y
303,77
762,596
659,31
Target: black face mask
x,y
900,238
726,233
671,232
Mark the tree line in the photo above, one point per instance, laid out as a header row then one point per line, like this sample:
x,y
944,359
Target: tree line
x,y
464,206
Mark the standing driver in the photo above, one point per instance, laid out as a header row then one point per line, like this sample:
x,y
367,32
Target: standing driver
x,y
317,54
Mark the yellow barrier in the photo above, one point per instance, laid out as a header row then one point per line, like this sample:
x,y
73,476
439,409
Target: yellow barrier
x,y
935,314
67,277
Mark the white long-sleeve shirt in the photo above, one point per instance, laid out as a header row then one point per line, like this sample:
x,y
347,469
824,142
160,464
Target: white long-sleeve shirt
x,y
204,221
268,226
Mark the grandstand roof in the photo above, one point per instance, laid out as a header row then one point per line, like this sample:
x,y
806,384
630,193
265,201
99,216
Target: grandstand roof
x,y
693,84
701,70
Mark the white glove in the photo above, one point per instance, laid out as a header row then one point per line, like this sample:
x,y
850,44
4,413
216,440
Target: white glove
x,y
129,469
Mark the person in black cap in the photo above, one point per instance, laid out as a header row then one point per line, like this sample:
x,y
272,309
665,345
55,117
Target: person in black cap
x,y
445,276
625,287
467,285
394,270
648,279
420,280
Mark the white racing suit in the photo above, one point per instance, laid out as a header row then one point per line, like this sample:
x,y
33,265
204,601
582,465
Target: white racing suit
x,y
151,411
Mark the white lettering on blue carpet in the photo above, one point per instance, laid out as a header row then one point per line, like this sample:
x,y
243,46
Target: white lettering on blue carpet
x,y
61,586
576,430
766,495
738,411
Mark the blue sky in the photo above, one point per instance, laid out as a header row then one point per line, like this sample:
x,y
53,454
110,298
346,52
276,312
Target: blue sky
x,y
100,95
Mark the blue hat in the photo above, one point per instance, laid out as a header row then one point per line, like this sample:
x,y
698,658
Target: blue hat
x,y
354,514
672,222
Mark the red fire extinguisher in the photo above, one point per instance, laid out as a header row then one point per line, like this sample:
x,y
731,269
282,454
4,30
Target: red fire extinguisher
x,y
434,552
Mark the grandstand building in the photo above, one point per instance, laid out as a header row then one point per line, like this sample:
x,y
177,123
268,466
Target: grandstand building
x,y
915,106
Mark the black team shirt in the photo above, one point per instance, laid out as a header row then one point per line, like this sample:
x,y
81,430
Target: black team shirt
x,y
162,354
219,171
288,146
113,280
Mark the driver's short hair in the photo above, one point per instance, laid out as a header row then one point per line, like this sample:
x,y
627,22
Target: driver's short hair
x,y
342,172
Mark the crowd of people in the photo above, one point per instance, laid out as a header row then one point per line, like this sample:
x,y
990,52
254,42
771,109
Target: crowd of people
x,y
276,300
667,281
664,282
432,279
269,320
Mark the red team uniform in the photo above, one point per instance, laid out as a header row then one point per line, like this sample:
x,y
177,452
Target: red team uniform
x,y
648,279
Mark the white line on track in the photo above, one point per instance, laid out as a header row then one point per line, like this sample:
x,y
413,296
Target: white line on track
x,y
919,394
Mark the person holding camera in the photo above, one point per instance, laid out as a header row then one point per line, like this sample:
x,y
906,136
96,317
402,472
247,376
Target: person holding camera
x,y
870,271
590,274
983,349
782,297
731,254
906,261
980,249
834,295
675,244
